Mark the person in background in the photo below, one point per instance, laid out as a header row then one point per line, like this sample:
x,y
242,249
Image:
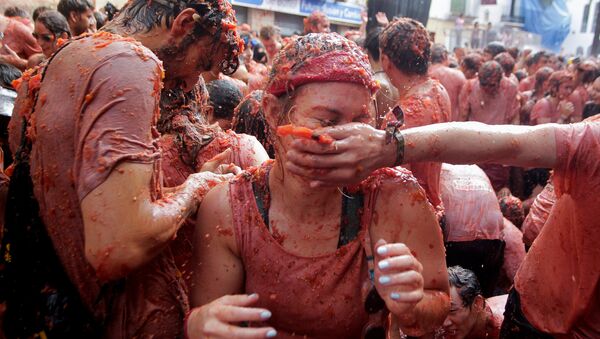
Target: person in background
x,y
50,26
470,315
470,65
100,19
555,107
224,96
79,15
492,49
17,44
532,64
19,14
585,74
453,80
508,65
530,98
271,40
405,55
317,22
475,36
459,24
39,10
249,118
592,107
387,96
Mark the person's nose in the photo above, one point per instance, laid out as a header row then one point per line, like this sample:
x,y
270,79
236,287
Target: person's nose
x,y
447,322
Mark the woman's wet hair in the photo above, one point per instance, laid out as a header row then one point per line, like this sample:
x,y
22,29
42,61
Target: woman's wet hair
x,y
224,96
54,22
556,79
15,11
249,118
38,11
215,18
542,76
406,42
466,284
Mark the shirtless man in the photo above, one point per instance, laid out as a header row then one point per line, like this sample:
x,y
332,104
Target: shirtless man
x,y
79,15
556,290
555,107
405,54
387,96
491,99
316,22
100,194
533,63
470,65
452,79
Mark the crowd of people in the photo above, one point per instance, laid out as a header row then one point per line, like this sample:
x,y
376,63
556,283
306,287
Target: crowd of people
x,y
170,172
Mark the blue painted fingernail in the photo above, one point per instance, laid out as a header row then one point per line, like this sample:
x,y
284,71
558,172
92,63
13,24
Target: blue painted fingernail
x,y
383,264
384,279
382,250
395,295
271,334
264,315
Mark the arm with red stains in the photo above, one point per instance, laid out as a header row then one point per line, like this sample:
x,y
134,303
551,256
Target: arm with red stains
x,y
216,295
415,262
125,228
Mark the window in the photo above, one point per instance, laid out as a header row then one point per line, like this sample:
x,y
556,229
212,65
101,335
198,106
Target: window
x,y
458,7
586,16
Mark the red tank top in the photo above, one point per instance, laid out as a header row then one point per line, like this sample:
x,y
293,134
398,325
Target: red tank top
x,y
316,297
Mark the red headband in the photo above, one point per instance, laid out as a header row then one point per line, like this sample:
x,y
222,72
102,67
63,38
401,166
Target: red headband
x,y
324,57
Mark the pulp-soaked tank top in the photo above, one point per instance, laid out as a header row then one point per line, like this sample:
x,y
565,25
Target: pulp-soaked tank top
x,y
316,297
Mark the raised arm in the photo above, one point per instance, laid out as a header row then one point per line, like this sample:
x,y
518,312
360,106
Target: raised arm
x,y
408,231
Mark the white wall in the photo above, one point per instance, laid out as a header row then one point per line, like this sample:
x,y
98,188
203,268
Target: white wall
x,y
576,38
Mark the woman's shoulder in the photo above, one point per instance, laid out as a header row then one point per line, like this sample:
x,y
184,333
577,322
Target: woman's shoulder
x,y
391,178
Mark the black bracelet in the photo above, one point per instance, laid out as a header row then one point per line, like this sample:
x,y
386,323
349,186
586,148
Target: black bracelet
x,y
399,147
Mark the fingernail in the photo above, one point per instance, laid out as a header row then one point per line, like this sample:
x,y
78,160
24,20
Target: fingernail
x,y
383,264
384,279
395,295
382,250
264,315
271,334
253,295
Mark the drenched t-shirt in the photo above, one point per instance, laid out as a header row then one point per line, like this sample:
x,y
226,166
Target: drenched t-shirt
x,y
497,109
559,280
471,206
97,107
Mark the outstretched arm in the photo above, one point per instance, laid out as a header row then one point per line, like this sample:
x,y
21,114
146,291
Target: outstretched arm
x,y
359,149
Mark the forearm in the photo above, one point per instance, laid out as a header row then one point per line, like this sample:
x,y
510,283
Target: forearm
x,y
471,142
428,314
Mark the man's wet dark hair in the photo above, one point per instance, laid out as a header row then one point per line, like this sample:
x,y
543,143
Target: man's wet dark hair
x,y
494,48
472,61
520,74
15,11
439,54
406,42
215,18
110,11
100,19
466,284
54,22
506,61
224,96
372,42
65,7
514,52
534,59
268,32
541,76
8,74
38,11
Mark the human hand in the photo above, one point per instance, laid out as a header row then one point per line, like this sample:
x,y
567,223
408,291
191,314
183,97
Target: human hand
x,y
398,277
221,318
221,164
566,108
357,150
382,19
204,181
8,56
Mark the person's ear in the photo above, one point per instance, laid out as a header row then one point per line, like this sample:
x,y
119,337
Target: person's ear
x,y
272,107
184,23
73,17
385,62
209,110
479,303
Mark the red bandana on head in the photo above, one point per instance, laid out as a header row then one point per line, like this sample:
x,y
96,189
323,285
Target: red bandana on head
x,y
320,57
